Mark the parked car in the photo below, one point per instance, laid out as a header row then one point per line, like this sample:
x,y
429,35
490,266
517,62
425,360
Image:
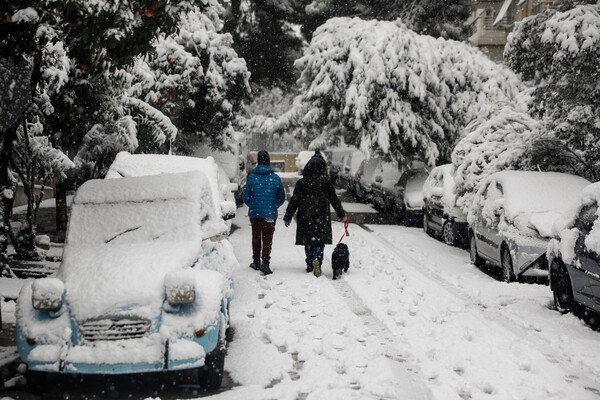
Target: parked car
x,y
441,216
131,165
574,255
409,196
303,157
336,157
144,284
350,165
510,220
365,177
385,189
236,164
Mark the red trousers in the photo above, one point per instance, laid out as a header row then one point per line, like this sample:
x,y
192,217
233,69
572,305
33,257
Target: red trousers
x,y
262,238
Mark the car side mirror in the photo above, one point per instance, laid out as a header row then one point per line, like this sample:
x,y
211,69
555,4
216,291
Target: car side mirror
x,y
378,179
347,168
47,294
228,209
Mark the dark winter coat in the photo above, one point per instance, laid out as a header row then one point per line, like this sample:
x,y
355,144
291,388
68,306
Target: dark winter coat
x,y
264,193
312,196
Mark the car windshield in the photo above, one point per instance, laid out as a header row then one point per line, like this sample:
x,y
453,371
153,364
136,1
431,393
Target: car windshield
x,y
415,180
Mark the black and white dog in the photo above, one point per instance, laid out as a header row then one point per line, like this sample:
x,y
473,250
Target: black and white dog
x,y
340,260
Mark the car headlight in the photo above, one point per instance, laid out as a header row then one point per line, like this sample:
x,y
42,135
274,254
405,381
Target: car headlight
x,y
47,294
180,287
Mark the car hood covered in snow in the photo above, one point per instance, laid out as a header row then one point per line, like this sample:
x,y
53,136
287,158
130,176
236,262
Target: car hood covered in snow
x,y
122,279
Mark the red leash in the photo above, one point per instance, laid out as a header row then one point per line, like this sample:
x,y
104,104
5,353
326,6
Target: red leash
x,y
346,233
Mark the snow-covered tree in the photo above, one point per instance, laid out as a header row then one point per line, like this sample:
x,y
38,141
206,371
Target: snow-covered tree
x,y
195,77
559,51
438,18
391,91
66,45
500,138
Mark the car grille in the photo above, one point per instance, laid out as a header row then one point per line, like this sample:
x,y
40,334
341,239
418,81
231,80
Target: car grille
x,y
117,328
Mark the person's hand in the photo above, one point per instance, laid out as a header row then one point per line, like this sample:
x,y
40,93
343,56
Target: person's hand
x,y
287,223
345,220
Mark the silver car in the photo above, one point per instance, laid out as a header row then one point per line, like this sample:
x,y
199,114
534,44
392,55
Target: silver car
x,y
511,218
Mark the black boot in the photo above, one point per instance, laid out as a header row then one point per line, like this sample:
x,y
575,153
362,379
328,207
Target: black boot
x,y
309,268
337,273
255,265
264,267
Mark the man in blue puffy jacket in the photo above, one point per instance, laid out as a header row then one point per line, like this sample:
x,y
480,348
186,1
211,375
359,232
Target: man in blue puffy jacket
x,y
263,194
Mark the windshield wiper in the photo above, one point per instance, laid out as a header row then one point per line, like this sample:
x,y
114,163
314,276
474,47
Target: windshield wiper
x,y
122,233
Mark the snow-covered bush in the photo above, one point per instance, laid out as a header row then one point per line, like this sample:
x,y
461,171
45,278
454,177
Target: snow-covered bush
x,y
559,51
391,91
499,139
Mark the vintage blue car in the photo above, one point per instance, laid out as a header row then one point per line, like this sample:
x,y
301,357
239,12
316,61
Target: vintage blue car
x,y
144,284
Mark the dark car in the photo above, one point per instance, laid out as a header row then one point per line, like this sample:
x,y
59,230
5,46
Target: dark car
x,y
441,216
574,256
409,195
384,189
350,165
365,177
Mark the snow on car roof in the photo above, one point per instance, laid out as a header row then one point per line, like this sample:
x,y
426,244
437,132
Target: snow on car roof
x,y
128,165
538,192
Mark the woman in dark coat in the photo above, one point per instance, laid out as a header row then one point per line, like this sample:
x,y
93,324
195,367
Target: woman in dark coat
x,y
312,196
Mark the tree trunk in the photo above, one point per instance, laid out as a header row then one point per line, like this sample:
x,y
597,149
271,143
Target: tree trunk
x,y
7,195
61,210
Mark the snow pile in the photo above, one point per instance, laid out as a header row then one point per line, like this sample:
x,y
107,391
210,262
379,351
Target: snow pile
x,y
391,90
497,140
528,200
142,228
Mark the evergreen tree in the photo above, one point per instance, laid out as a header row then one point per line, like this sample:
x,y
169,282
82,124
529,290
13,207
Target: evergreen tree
x,y
558,51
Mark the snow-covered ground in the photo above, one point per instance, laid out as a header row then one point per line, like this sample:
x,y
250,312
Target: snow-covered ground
x,y
412,319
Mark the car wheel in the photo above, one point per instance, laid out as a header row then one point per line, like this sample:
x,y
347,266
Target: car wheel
x,y
448,234
508,274
561,289
475,259
210,376
426,227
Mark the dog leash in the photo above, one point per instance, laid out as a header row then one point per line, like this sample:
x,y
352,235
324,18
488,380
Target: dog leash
x,y
346,233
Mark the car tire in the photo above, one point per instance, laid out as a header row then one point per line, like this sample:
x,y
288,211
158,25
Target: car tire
x,y
210,376
448,234
475,258
562,290
508,274
426,227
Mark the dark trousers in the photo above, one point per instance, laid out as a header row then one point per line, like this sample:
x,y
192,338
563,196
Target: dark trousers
x,y
262,238
313,252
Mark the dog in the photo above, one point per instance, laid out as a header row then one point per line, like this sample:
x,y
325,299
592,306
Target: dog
x,y
340,260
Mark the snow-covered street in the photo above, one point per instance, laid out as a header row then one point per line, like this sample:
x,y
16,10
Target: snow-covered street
x,y
412,319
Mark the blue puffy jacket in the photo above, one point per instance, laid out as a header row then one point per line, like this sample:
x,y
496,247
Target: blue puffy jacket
x,y
264,193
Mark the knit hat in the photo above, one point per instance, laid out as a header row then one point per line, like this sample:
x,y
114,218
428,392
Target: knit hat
x,y
263,158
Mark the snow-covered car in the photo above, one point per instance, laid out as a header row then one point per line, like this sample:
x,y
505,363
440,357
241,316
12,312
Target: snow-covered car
x,y
303,157
441,216
336,157
144,284
236,165
511,218
384,188
365,177
574,255
350,165
409,195
130,165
